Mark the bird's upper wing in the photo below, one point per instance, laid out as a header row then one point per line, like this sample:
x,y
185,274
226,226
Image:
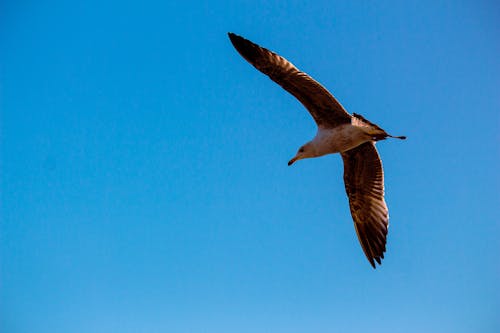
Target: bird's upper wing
x,y
324,108
364,184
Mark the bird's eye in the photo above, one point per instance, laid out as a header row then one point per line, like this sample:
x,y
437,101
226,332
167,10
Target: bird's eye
x,y
301,150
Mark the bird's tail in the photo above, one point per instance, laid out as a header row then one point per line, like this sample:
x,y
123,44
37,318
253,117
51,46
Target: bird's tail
x,y
383,136
371,129
400,137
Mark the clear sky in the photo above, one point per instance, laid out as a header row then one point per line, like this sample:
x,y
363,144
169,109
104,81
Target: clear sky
x,y
144,178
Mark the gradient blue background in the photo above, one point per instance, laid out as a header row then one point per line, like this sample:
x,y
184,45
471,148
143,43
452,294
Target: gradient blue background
x,y
144,185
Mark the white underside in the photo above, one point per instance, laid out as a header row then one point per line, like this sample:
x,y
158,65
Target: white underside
x,y
339,139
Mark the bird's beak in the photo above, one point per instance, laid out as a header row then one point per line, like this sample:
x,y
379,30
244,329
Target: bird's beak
x,y
293,160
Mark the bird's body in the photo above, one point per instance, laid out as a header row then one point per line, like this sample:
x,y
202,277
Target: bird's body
x,y
341,138
352,136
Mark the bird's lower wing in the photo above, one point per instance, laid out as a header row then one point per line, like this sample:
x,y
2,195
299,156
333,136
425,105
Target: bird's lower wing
x,y
364,184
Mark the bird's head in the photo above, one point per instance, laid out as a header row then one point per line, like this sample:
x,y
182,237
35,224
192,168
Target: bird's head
x,y
306,151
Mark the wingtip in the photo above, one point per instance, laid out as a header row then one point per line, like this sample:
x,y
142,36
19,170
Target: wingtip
x,y
245,48
376,260
233,37
371,243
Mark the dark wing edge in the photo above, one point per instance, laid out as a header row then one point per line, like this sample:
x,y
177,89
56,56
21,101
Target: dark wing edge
x,y
323,107
364,184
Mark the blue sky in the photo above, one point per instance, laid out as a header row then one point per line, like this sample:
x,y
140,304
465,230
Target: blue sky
x,y
144,179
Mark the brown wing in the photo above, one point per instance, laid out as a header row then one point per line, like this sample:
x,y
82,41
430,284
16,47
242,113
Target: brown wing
x,y
324,108
364,184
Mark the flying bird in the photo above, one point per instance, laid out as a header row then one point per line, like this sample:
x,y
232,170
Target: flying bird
x,y
352,136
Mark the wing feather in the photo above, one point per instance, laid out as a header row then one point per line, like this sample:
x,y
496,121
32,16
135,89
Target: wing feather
x,y
323,107
364,184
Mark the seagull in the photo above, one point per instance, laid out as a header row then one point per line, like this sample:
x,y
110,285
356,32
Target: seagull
x,y
352,136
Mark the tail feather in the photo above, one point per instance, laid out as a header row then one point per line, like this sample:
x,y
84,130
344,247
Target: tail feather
x,y
372,129
400,137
